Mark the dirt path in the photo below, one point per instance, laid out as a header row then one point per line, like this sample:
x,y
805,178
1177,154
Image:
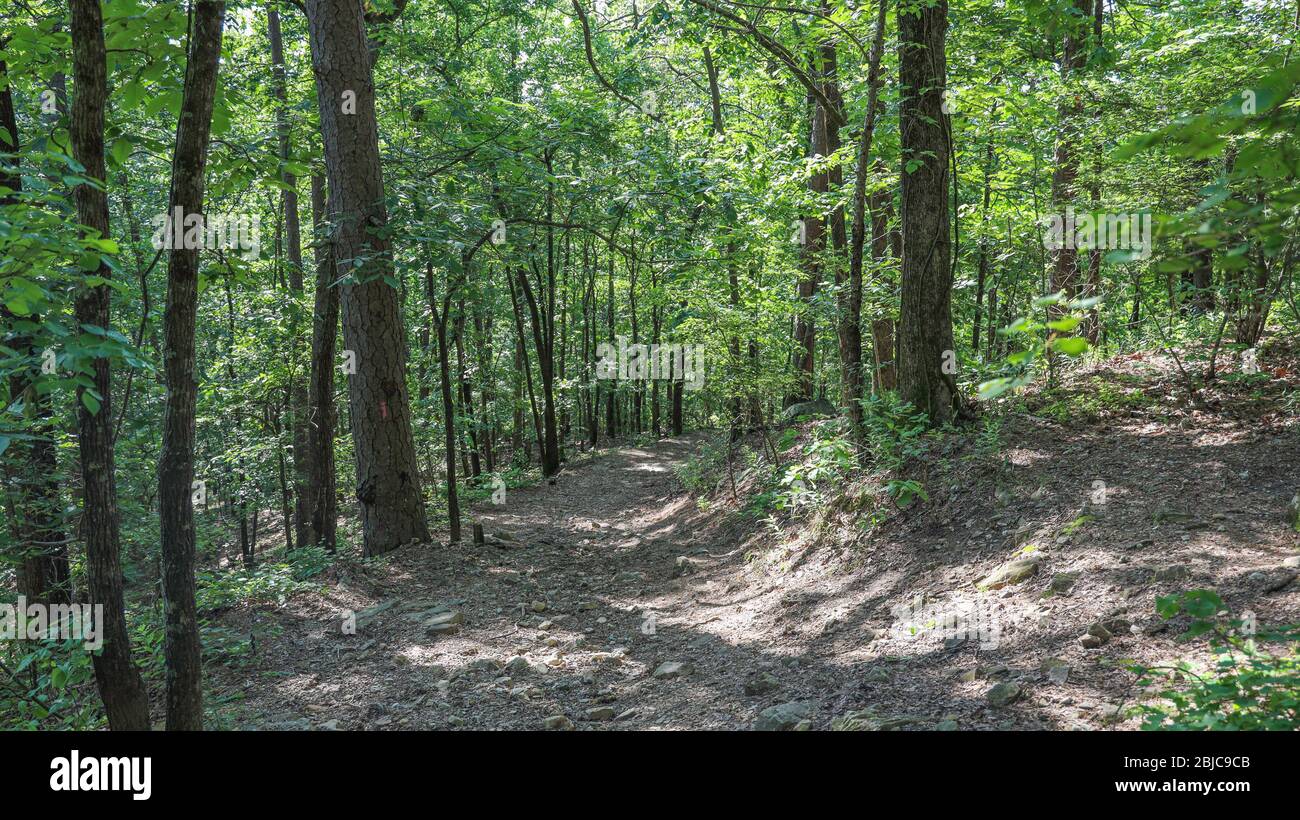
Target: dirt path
x,y
615,600
569,615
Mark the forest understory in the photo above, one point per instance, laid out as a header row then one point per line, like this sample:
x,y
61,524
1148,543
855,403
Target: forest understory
x,y
614,599
649,364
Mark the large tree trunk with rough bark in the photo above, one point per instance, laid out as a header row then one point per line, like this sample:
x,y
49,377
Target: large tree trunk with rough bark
x,y
925,317
126,702
388,478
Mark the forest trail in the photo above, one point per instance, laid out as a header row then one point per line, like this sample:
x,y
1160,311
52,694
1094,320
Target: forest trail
x,y
613,599
588,601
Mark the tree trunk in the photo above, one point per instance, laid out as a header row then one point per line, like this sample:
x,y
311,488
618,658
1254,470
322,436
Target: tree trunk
x,y
1093,285
813,235
448,413
611,417
983,265
176,463
388,477
542,342
1065,263
487,423
925,319
321,491
293,238
851,300
884,373
466,392
678,423
126,702
882,345
735,403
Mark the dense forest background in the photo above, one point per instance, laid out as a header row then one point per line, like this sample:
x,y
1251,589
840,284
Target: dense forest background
x,y
446,248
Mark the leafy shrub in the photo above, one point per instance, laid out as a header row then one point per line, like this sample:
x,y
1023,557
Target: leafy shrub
x,y
702,470
893,429
1037,340
269,581
1248,688
827,459
49,686
905,491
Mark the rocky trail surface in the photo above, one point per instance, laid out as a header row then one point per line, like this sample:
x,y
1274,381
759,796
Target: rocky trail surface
x,y
611,599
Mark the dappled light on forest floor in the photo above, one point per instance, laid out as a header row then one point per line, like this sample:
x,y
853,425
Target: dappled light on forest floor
x,y
629,605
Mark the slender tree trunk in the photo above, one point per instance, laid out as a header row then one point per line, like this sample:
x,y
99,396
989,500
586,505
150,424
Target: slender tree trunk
x,y
275,426
293,238
735,404
884,374
847,332
638,385
611,417
813,235
523,363
542,342
678,422
591,322
483,330
466,392
126,702
321,414
991,336
176,463
388,476
983,264
1065,263
448,413
851,300
1093,286
517,439
655,326
239,486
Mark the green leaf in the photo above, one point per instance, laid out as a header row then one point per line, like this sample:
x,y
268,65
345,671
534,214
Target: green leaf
x,y
1168,606
88,261
994,387
1070,345
121,150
